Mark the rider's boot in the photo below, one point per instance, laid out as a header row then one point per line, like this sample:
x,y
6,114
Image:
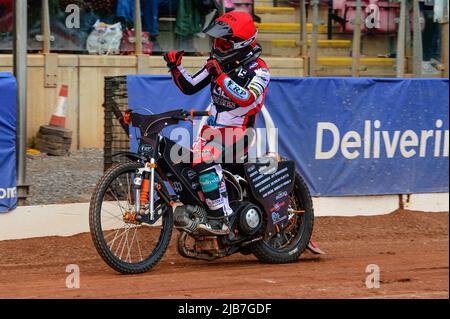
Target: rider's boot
x,y
215,192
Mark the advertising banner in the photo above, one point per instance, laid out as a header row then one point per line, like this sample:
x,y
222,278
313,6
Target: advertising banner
x,y
8,191
348,136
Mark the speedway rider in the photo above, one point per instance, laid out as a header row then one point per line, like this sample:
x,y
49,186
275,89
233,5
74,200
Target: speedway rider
x,y
238,81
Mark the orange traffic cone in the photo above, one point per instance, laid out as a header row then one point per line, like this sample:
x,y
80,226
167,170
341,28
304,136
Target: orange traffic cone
x,y
59,117
55,139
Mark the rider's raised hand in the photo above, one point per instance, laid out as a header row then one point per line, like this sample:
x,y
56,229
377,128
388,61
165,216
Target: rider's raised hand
x,y
213,68
173,58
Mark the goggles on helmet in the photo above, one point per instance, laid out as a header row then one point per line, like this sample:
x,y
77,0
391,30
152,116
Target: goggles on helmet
x,y
225,45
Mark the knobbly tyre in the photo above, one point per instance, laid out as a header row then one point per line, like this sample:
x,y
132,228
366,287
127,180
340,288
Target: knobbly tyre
x,y
132,213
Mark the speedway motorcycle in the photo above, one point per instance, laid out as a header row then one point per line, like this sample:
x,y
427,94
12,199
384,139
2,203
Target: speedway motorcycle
x,y
132,213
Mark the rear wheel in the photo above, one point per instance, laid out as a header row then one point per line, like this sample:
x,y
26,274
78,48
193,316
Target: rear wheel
x,y
126,244
289,243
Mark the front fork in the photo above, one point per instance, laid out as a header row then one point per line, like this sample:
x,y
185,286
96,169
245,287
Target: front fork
x,y
144,173
152,187
145,187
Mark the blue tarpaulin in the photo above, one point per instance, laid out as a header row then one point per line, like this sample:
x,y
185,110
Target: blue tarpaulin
x,y
8,192
348,136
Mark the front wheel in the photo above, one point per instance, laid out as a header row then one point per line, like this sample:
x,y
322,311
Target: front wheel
x,y
125,244
288,244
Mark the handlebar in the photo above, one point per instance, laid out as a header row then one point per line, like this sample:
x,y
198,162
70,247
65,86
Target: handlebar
x,y
179,115
197,113
185,115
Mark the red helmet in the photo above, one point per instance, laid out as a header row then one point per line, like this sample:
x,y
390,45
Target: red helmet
x,y
234,36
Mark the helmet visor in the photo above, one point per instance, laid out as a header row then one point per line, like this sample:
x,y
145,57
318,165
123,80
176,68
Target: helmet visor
x,y
218,29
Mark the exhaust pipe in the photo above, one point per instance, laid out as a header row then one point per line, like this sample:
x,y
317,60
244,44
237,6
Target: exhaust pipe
x,y
187,217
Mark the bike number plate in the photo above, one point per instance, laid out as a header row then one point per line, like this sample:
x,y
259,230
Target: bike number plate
x,y
270,182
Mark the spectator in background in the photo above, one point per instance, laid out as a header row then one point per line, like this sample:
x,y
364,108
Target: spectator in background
x,y
431,38
229,5
125,11
150,10
242,5
6,16
103,8
189,23
193,16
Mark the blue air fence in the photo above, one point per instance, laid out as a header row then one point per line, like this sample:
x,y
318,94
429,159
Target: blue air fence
x,y
348,136
8,192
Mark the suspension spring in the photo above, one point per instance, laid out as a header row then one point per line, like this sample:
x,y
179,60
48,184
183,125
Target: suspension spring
x,y
144,190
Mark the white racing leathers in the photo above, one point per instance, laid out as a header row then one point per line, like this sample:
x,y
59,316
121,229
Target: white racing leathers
x,y
236,98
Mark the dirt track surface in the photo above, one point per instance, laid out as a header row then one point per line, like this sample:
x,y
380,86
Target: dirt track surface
x,y
411,249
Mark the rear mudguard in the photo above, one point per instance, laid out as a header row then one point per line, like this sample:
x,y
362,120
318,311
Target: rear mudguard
x,y
270,183
131,156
